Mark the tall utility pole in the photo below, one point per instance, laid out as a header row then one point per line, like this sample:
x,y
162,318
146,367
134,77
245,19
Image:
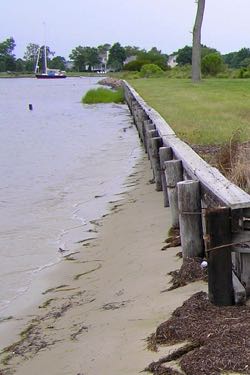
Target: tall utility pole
x,y
196,54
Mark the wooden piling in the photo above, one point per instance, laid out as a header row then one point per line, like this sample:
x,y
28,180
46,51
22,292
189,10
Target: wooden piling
x,y
133,107
174,174
189,204
165,154
148,125
151,134
142,118
138,121
238,290
218,233
156,143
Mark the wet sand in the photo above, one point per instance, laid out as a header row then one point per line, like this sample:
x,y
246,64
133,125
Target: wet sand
x,y
106,299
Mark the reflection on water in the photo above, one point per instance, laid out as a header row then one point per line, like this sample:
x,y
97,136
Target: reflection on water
x,y
55,161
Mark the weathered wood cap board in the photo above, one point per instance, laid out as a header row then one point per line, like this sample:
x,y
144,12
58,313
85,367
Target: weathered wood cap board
x,y
212,181
162,126
221,189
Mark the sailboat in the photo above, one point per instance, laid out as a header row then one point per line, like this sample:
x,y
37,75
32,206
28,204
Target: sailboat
x,y
46,72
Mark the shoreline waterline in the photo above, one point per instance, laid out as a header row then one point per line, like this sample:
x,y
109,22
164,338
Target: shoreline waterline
x,y
62,198
58,276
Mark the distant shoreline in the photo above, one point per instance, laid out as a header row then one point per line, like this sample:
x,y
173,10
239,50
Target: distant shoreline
x,y
69,74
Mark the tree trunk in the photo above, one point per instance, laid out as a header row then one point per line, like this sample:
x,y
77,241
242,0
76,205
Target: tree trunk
x,y
196,54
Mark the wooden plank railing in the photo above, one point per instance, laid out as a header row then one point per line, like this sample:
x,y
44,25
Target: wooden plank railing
x,y
215,190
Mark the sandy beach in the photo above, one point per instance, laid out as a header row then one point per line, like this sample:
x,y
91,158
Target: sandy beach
x,y
106,299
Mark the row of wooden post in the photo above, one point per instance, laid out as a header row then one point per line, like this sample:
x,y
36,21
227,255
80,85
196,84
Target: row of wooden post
x,y
183,197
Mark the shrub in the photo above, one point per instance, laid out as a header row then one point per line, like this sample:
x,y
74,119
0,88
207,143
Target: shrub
x,y
103,95
180,72
244,73
151,70
134,75
134,65
212,64
227,73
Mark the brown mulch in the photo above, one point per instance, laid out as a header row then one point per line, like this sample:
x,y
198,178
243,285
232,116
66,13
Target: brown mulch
x,y
219,338
189,272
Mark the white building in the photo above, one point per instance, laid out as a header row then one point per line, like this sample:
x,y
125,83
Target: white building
x,y
172,61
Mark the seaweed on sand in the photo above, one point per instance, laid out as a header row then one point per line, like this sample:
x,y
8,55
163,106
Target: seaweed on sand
x,y
219,338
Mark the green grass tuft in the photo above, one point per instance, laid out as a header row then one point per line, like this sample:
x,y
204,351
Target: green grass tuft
x,y
103,95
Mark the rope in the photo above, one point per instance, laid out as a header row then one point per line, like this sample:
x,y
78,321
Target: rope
x,y
189,213
228,245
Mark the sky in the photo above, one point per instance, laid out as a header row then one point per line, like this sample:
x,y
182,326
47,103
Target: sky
x,y
165,24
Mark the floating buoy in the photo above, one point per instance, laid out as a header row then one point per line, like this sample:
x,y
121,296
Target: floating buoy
x,y
30,107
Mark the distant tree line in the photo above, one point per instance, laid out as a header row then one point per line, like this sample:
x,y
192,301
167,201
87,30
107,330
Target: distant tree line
x,y
83,58
232,60
8,61
116,58
213,62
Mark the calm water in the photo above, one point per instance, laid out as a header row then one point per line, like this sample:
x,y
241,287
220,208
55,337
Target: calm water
x,y
60,165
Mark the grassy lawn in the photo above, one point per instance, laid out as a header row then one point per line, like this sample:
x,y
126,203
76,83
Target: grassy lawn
x,y
206,113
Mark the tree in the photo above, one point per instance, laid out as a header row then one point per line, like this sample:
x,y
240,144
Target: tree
x,y
85,57
58,62
79,59
103,49
10,63
7,58
143,57
245,63
237,59
242,54
30,56
196,51
7,47
153,56
91,57
132,50
184,56
207,50
31,52
20,65
117,56
229,58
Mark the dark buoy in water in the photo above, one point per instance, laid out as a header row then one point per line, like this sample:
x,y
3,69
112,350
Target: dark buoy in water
x,y
30,107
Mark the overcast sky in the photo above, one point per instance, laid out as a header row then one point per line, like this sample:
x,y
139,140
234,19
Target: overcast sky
x,y
166,24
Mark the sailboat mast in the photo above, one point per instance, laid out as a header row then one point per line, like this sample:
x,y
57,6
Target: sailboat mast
x,y
37,60
44,50
45,59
